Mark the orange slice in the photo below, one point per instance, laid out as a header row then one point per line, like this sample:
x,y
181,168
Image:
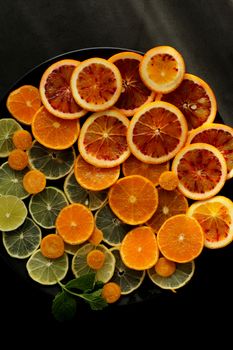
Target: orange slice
x,y
157,131
94,178
139,249
201,169
133,166
96,84
133,199
215,216
53,132
23,103
181,238
218,135
102,141
134,93
56,93
195,99
162,69
170,203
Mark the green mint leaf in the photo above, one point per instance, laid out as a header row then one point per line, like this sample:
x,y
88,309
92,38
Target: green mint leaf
x,y
98,285
95,300
64,307
83,283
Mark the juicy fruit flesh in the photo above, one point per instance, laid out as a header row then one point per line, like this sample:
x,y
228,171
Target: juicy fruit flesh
x,y
162,68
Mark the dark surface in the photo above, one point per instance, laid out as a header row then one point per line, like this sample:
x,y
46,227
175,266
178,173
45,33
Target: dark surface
x,y
34,31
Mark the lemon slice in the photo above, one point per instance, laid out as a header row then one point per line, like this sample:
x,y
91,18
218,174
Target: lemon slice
x,y
47,271
23,241
7,128
12,214
12,181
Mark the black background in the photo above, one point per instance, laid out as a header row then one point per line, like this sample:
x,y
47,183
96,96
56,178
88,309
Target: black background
x,y
34,31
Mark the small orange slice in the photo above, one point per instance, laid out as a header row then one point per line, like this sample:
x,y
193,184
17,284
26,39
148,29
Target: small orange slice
x,y
53,132
23,103
133,199
181,239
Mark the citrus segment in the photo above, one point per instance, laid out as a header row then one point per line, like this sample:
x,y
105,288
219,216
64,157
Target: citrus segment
x,y
168,180
96,236
8,127
17,159
52,246
22,139
12,214
95,259
111,292
34,181
12,181
165,267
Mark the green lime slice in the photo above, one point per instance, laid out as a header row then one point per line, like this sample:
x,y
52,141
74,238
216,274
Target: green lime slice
x,y
7,128
54,164
46,205
77,194
23,241
12,214
126,278
178,279
12,181
113,228
80,267
47,271
71,248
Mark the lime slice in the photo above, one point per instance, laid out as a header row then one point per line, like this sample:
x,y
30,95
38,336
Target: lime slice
x,y
113,228
23,241
54,164
47,271
77,194
12,181
46,205
178,279
71,248
7,128
12,214
126,278
80,267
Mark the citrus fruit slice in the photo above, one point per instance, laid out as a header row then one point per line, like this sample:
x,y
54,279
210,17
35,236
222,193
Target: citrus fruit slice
x,y
22,139
102,141
128,279
201,169
52,246
139,249
77,194
133,93
23,241
80,266
219,136
215,215
133,166
12,182
111,292
133,199
54,132
162,69
168,180
96,84
17,159
96,236
8,127
23,103
94,178
52,163
55,90
71,248
47,271
183,274
170,203
45,206
34,181
12,214
195,99
75,223
113,228
180,238
157,131
165,267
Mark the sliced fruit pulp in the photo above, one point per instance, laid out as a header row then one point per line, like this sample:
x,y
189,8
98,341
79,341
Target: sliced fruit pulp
x,y
162,63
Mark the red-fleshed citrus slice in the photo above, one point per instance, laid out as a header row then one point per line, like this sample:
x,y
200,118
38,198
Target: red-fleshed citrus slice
x,y
157,131
102,141
215,215
162,69
56,93
134,93
195,99
201,169
96,84
218,135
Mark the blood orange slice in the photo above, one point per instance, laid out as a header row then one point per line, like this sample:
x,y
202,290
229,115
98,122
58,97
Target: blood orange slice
x,y
102,141
56,93
157,131
96,84
218,135
201,169
195,99
134,93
